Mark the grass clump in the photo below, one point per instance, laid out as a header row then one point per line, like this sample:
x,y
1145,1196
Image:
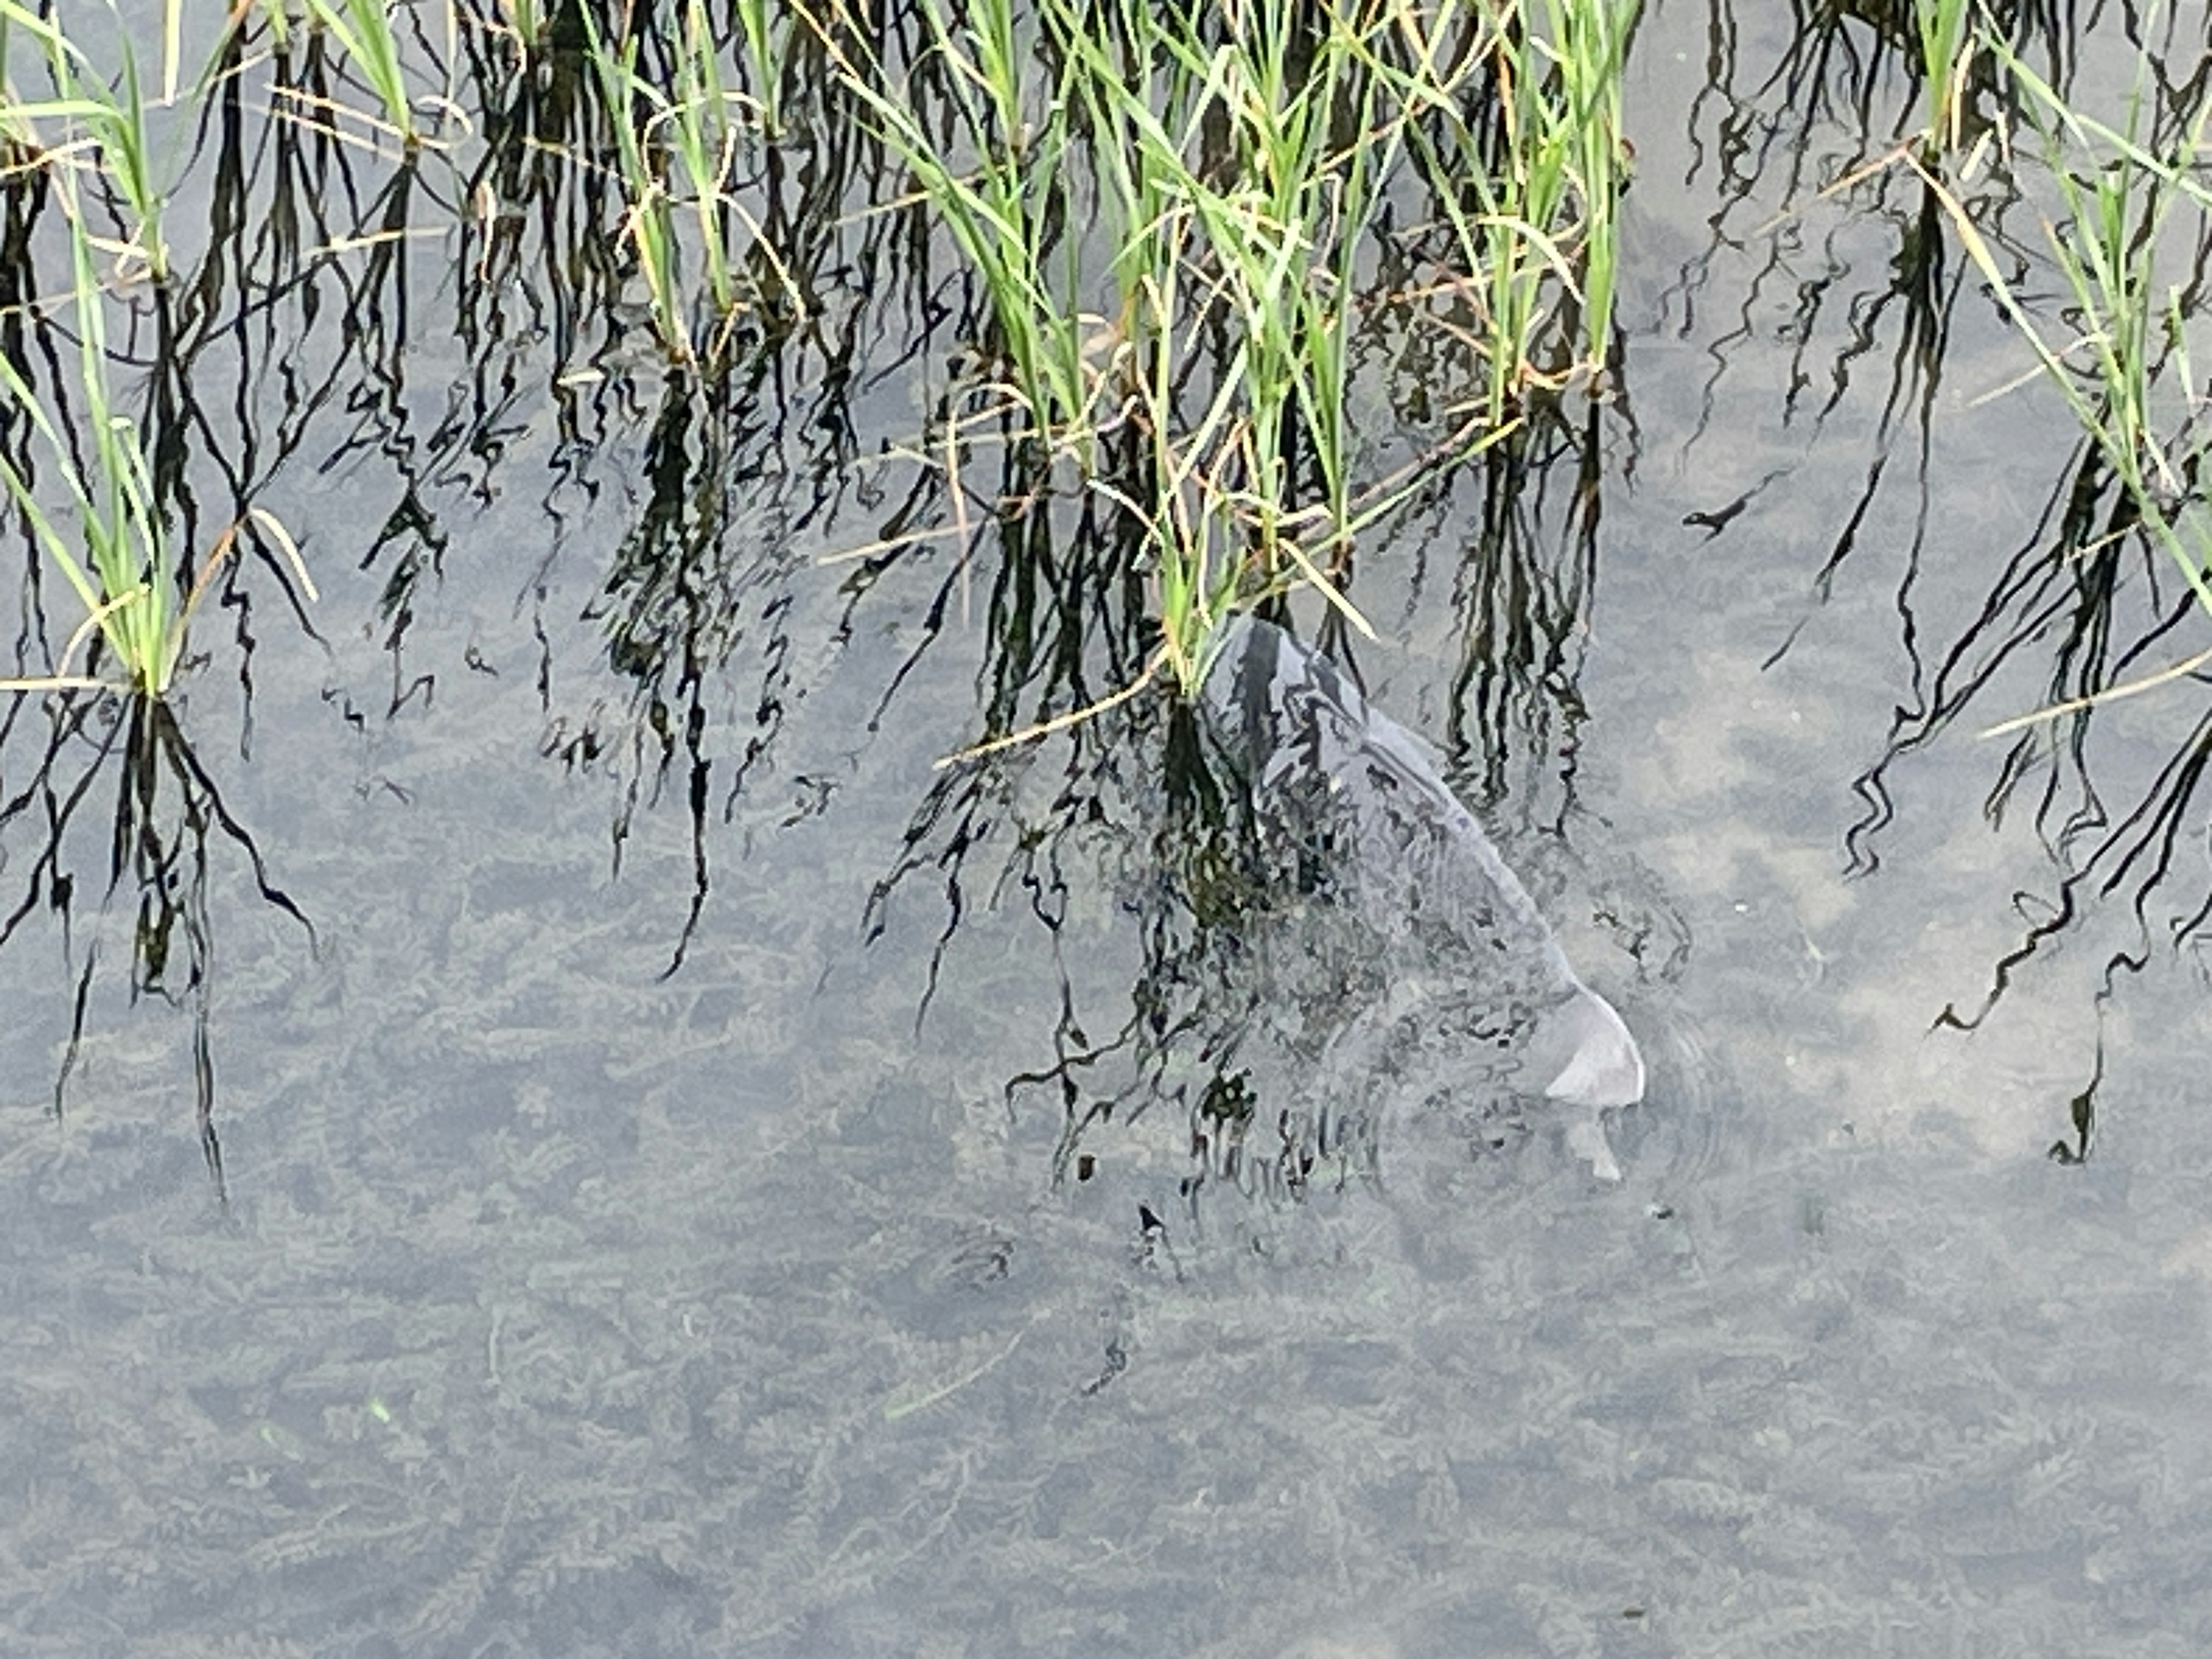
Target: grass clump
x,y
1167,212
676,150
111,121
365,33
1943,31
126,579
649,225
2120,354
1174,221
120,563
998,185
1242,209
1531,184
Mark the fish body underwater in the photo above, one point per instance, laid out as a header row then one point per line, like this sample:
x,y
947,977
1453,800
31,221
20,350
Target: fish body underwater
x,y
1478,998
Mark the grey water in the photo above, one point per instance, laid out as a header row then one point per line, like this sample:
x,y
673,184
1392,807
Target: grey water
x,y
819,1255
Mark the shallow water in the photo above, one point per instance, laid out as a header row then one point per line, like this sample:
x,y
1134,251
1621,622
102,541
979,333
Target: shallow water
x,y
560,1303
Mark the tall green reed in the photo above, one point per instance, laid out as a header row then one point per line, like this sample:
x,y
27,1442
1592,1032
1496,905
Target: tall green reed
x,y
1588,46
1942,29
2120,195
1530,182
111,544
649,223
1165,211
999,184
759,30
1241,175
676,147
704,138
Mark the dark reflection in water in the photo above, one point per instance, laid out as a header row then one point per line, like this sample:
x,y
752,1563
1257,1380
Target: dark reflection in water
x,y
167,819
1789,130
2086,604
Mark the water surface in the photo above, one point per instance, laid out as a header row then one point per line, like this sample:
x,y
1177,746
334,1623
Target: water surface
x,y
670,1205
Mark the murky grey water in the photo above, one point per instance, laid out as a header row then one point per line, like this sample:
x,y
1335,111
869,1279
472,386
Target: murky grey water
x,y
560,1306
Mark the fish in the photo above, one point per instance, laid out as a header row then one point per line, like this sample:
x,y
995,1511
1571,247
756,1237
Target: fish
x,y
1476,988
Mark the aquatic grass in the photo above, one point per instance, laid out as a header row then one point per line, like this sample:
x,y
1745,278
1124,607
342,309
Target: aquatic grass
x,y
114,119
2128,360
1251,204
649,223
704,140
1209,306
1590,49
127,579
1942,30
1000,193
1251,238
693,130
2108,250
1237,163
1174,232
1531,189
1523,181
761,52
364,32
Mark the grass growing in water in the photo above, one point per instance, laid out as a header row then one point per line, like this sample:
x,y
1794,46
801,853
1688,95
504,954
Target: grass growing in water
x,y
650,223
1230,185
1588,48
1169,216
364,31
2129,360
1206,292
1166,213
1943,30
1532,185
127,579
112,120
696,128
1001,190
